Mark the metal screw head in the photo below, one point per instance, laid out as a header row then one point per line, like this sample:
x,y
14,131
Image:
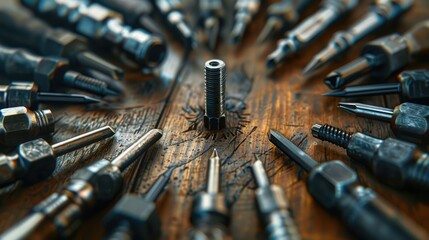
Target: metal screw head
x,y
215,77
411,122
22,94
14,125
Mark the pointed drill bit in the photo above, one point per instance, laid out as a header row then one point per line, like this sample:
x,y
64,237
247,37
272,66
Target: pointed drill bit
x,y
349,72
270,29
77,80
89,60
66,98
367,111
319,60
366,90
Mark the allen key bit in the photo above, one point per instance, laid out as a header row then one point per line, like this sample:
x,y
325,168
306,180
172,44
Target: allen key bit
x,y
210,215
383,56
245,10
211,20
335,186
409,121
135,217
19,28
397,163
310,29
36,160
381,13
89,189
273,207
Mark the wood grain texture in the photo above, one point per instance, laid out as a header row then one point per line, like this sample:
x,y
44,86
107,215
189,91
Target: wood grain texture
x,y
285,101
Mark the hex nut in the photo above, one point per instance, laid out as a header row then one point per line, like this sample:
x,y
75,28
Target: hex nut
x,y
214,123
15,125
411,122
22,94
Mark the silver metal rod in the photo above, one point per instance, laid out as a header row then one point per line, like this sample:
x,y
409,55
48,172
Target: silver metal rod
x,y
213,173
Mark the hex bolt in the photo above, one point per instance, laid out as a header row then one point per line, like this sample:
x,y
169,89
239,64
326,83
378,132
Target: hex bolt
x,y
214,76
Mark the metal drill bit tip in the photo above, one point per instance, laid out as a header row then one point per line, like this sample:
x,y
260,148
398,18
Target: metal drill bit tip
x,y
212,26
333,80
366,90
82,140
270,29
80,81
137,149
214,154
368,111
292,151
348,73
213,174
66,98
259,174
91,61
321,59
156,189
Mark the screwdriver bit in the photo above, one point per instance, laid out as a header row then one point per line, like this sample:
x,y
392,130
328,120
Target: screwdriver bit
x,y
48,73
409,121
211,20
380,13
273,207
28,95
104,27
20,124
413,87
245,10
384,56
310,29
210,216
89,189
170,12
135,217
19,28
36,160
282,16
397,163
335,186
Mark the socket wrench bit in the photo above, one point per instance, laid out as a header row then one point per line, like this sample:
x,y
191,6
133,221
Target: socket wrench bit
x,y
135,217
36,160
210,216
335,186
273,207
397,163
215,77
245,10
88,190
20,124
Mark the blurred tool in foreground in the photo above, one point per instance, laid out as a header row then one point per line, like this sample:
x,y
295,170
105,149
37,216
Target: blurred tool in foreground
x,y
245,10
211,20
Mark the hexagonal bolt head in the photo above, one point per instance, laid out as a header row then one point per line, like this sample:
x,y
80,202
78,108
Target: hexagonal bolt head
x,y
45,72
411,122
214,123
22,94
62,43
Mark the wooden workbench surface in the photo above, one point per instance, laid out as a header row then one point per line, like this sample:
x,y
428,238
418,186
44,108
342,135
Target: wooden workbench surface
x,y
285,101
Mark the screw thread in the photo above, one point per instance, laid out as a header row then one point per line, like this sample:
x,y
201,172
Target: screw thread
x,y
331,134
282,226
215,75
418,174
45,121
86,83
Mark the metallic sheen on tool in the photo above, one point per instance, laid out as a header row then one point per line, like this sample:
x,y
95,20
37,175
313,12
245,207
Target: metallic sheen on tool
x,y
245,10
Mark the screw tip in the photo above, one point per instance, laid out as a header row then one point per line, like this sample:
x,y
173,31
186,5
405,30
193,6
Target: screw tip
x,y
315,129
215,154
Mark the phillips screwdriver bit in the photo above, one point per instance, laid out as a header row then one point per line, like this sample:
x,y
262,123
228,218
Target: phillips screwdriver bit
x,y
89,189
335,186
382,57
380,13
36,160
281,17
210,216
245,10
413,87
20,124
135,217
397,163
28,95
211,20
170,12
409,121
104,27
310,29
19,28
48,73
273,207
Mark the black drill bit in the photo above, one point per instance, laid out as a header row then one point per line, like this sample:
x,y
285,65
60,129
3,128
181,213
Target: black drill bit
x,y
368,111
156,189
245,10
281,17
211,19
65,98
381,13
367,90
382,57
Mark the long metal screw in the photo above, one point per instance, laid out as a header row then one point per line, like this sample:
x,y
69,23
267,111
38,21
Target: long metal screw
x,y
214,76
331,134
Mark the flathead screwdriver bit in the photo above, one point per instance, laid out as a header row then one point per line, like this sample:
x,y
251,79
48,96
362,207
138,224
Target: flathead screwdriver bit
x,y
397,163
380,13
384,56
20,28
409,121
310,29
211,20
48,73
210,216
89,189
413,86
20,124
335,186
27,94
36,160
245,10
135,217
273,207
282,16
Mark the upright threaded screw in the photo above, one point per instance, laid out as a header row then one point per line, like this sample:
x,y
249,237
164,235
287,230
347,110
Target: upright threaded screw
x,y
215,75
331,134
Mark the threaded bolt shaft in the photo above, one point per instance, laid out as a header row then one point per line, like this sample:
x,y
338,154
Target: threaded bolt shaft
x,y
45,121
215,75
418,173
331,134
75,79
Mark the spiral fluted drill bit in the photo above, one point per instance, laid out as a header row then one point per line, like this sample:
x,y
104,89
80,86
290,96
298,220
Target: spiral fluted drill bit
x,y
215,76
310,29
245,10
211,20
381,13
104,27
